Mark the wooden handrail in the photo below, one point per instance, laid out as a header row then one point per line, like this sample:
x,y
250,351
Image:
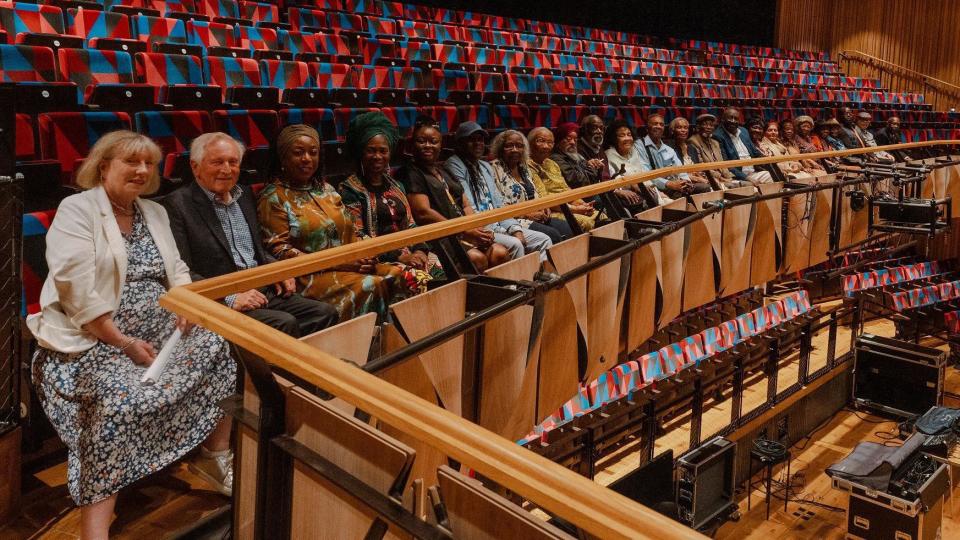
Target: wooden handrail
x,y
557,489
221,286
871,60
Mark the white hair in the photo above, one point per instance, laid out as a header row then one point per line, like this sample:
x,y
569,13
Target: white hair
x,y
199,145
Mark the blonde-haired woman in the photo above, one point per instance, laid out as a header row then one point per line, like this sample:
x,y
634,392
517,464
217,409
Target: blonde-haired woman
x,y
111,256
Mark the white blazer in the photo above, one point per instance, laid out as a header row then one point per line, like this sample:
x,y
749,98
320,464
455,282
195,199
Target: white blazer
x,y
87,259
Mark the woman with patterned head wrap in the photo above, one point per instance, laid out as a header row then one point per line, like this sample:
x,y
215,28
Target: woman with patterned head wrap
x,y
377,202
300,213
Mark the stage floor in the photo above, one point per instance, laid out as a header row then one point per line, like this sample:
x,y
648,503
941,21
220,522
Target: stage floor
x,y
159,506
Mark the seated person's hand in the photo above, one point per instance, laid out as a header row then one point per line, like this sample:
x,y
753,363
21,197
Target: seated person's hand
x,y
678,185
249,300
141,352
416,259
184,325
286,287
481,238
699,178
595,164
538,217
583,208
629,196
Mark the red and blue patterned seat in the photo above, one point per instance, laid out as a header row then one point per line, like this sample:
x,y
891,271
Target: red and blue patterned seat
x,y
177,79
239,81
320,119
256,129
27,63
101,28
103,76
68,136
211,34
258,12
173,131
20,19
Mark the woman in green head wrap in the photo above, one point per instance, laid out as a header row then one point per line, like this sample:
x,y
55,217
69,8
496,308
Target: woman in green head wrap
x,y
300,213
379,203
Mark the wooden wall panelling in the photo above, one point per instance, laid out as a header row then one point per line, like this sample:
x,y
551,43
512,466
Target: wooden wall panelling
x,y
702,252
566,256
477,513
739,223
559,356
952,187
669,259
319,508
642,292
605,299
921,36
508,387
412,377
349,340
820,226
427,313
767,241
853,223
800,211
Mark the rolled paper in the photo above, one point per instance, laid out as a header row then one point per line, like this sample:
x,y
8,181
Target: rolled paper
x,y
163,358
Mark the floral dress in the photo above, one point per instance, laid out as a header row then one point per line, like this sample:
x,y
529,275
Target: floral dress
x,y
298,220
384,210
116,430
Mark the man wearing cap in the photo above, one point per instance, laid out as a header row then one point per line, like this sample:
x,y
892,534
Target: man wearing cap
x,y
736,144
576,168
709,151
655,154
476,176
864,119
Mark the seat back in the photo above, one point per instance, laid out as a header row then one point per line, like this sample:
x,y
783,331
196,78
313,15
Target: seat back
x,y
90,24
68,136
158,69
159,29
211,34
26,63
286,74
21,18
228,72
90,67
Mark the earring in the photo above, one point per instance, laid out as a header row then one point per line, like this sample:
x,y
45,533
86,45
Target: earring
x,y
362,173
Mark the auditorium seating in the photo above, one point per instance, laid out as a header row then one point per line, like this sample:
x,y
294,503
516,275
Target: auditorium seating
x,y
652,368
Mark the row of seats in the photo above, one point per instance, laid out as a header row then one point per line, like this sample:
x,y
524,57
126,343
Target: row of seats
x,y
29,22
100,76
271,13
888,275
918,297
668,361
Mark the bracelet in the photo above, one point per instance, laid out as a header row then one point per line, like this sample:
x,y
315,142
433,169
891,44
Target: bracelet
x,y
127,343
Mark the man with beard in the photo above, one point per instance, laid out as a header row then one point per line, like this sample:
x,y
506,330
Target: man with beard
x,y
709,150
736,144
577,170
655,154
590,141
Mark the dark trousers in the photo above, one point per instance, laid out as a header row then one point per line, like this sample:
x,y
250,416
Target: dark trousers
x,y
557,229
296,316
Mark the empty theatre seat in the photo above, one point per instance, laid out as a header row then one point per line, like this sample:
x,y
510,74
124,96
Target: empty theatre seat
x,y
67,137
33,24
239,80
177,80
103,30
211,34
319,119
105,79
173,131
256,129
163,34
293,79
258,12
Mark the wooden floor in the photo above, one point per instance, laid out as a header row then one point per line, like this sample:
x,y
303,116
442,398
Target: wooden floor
x,y
155,507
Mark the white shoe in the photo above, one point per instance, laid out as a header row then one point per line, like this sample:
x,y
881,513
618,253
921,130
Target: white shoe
x,y
216,468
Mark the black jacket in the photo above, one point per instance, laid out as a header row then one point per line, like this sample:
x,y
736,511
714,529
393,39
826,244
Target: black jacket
x,y
199,235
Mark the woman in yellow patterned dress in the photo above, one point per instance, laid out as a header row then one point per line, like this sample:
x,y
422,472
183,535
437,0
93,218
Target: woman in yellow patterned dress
x,y
300,213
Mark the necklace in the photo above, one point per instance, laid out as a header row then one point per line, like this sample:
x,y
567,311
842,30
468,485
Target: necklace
x,y
119,209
